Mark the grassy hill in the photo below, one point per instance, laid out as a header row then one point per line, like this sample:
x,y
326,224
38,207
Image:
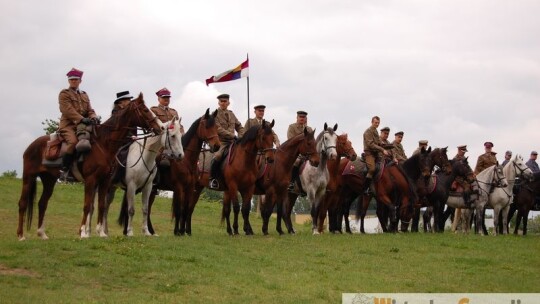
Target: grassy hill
x,y
211,267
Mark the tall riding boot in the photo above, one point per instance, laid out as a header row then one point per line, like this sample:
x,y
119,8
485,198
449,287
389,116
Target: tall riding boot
x,y
294,176
214,169
67,159
367,183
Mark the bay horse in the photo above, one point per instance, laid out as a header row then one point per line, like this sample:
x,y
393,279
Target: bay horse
x,y
240,173
500,198
98,163
141,169
182,175
331,202
439,190
274,181
524,201
314,179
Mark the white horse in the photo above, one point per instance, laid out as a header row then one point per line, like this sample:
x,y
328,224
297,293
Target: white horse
x,y
492,176
315,179
501,197
141,168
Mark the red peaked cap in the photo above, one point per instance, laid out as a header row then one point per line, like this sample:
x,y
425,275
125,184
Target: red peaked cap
x,y
163,93
74,73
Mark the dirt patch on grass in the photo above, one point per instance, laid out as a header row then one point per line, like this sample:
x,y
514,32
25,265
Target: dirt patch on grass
x,y
4,270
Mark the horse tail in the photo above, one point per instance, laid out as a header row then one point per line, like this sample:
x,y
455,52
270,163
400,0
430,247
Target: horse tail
x,y
32,188
123,217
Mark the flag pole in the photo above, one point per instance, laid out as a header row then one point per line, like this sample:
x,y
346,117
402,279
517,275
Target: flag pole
x,y
248,88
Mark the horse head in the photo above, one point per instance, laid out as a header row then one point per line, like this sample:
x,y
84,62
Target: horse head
x,y
425,164
326,142
143,118
308,148
499,179
344,147
208,130
521,168
440,159
265,140
171,139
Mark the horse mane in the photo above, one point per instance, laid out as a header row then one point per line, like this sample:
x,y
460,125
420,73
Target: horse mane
x,y
186,138
250,135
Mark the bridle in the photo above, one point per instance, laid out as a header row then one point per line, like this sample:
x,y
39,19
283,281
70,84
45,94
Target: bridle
x,y
325,145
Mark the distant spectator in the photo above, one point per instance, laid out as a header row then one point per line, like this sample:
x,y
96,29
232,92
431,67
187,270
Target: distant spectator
x,y
532,164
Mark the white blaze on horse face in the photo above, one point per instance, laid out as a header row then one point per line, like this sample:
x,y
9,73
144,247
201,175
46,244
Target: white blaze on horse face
x,y
330,141
172,139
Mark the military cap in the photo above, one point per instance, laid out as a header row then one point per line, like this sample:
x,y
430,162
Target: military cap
x,y
223,96
301,113
534,153
259,107
463,148
509,153
488,144
122,95
387,129
399,133
163,93
423,142
74,74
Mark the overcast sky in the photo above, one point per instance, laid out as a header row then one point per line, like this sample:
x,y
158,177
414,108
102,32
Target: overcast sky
x,y
451,72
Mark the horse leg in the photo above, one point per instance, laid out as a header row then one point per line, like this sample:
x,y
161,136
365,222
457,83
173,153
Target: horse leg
x,y
102,193
151,199
289,201
145,196
88,208
190,208
236,212
416,219
26,203
496,222
48,186
518,222
226,212
246,209
525,219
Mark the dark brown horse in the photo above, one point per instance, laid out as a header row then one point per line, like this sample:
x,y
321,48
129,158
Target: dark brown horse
x,y
438,158
240,173
524,202
333,188
182,175
351,188
274,181
95,170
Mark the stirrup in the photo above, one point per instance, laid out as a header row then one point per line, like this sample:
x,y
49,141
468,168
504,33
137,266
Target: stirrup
x,y
213,183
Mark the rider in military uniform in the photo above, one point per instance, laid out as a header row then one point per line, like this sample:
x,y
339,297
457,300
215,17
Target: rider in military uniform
x,y
461,150
162,110
295,129
227,124
372,146
485,160
76,109
385,132
399,152
421,144
257,120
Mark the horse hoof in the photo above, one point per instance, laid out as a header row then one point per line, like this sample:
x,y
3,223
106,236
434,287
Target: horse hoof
x,y
22,238
42,234
315,232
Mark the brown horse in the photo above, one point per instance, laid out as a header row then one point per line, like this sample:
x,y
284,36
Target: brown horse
x,y
276,176
95,170
524,202
331,200
182,175
351,188
240,173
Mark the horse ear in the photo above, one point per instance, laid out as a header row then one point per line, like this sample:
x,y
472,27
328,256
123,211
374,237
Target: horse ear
x,y
215,113
207,113
335,127
141,96
429,150
272,124
325,126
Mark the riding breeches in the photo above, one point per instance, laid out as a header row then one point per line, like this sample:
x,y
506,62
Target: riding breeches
x,y
370,163
68,134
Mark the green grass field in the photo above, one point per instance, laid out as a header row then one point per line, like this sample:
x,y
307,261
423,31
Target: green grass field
x,y
212,267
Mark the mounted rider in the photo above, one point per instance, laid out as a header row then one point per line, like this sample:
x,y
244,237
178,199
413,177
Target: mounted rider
x,y
487,159
77,113
399,152
372,147
227,124
295,129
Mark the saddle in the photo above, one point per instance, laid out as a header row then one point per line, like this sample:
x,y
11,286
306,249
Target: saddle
x,y
56,146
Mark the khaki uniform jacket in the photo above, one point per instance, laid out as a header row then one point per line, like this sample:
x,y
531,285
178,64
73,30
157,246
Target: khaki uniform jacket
x,y
74,106
255,122
399,152
459,157
484,161
166,114
391,152
296,129
372,142
227,123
